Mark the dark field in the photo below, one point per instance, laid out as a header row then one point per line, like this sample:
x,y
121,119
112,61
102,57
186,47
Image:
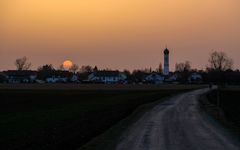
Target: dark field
x,y
91,87
67,116
229,102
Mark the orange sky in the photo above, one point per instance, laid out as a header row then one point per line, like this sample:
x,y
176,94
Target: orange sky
x,y
118,34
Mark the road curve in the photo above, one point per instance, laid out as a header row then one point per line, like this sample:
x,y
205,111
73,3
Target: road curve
x,y
176,124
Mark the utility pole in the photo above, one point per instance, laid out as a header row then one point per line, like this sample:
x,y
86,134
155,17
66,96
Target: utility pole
x,y
218,96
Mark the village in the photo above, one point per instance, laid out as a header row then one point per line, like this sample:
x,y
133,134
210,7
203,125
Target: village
x,y
98,77
92,75
119,75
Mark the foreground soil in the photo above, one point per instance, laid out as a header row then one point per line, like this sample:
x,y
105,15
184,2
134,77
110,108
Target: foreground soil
x,y
67,116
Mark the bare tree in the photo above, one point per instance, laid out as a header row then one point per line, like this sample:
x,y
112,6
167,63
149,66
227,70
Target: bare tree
x,y
22,63
219,61
160,69
181,67
87,69
147,70
45,71
95,69
74,68
126,71
183,70
46,67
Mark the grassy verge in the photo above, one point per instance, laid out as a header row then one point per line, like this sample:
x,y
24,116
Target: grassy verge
x,y
229,102
223,106
66,118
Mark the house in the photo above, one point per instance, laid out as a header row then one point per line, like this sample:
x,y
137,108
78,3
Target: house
x,y
107,77
3,78
195,78
172,78
56,79
74,78
155,78
20,76
60,76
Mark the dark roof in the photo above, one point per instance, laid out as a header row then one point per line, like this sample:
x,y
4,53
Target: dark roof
x,y
19,72
63,73
106,73
2,74
166,51
155,74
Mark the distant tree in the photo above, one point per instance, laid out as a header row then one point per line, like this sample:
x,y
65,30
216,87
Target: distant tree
x,y
45,71
74,68
139,75
159,69
183,70
127,73
95,69
219,69
61,67
46,67
219,61
184,66
22,63
86,69
108,69
146,70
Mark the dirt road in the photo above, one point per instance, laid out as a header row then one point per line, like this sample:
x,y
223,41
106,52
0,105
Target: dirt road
x,y
177,124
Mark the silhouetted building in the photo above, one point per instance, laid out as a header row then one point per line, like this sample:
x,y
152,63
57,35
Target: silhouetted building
x,y
62,77
107,77
155,78
166,62
24,76
171,78
195,78
3,78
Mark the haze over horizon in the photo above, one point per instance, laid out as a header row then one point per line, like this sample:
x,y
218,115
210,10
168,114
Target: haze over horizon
x,y
118,34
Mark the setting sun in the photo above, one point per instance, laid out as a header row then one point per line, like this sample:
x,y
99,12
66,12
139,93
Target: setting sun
x,y
73,70
67,64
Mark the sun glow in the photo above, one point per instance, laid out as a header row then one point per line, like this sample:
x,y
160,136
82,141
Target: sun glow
x,y
67,64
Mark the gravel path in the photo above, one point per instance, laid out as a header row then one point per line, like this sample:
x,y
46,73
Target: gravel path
x,y
177,124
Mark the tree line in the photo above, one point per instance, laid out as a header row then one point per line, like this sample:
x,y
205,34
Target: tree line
x,y
218,70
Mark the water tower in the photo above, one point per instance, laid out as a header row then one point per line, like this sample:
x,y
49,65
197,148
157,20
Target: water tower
x,y
166,62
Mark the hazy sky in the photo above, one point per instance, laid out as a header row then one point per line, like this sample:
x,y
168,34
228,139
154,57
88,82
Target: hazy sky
x,y
118,33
